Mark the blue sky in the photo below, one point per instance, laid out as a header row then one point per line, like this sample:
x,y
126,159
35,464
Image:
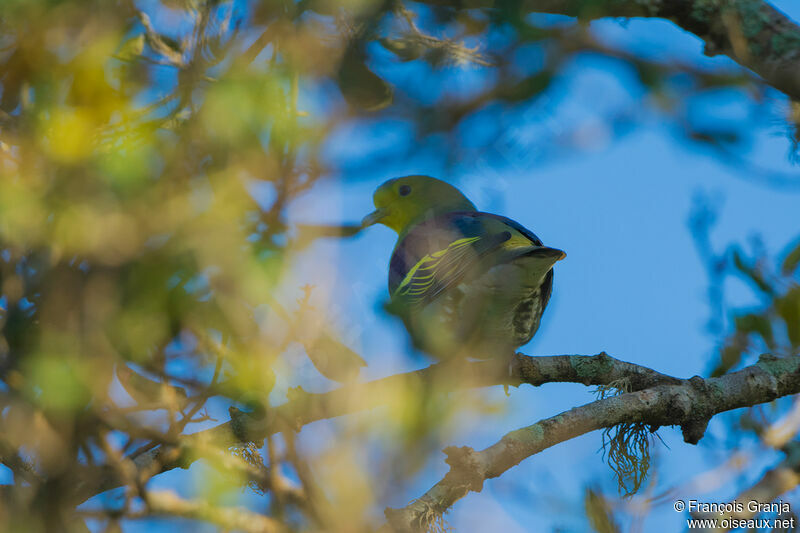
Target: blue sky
x,y
632,283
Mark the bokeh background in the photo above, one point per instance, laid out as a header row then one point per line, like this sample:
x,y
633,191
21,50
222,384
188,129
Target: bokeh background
x,y
132,141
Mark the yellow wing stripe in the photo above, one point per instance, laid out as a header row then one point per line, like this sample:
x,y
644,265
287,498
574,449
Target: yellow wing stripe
x,y
415,283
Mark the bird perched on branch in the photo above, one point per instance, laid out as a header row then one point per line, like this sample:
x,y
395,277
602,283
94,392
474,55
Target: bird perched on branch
x,y
465,283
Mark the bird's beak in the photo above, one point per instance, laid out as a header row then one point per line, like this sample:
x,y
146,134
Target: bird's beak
x,y
374,217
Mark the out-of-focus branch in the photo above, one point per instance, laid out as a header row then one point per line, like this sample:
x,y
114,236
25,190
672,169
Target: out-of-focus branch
x,y
21,468
689,404
775,482
305,407
231,518
655,399
751,32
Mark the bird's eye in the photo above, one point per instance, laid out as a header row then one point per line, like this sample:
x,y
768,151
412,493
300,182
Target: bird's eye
x,y
404,190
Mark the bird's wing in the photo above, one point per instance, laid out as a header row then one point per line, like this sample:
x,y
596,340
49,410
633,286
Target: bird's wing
x,y
492,219
442,269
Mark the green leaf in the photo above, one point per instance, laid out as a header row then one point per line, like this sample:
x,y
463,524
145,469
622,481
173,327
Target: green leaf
x,y
132,48
359,85
788,308
753,323
792,261
332,358
599,513
527,87
752,273
731,353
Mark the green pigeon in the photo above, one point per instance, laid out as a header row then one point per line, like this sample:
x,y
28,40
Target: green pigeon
x,y
464,282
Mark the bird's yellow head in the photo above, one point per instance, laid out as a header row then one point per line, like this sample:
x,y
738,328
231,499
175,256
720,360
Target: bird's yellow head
x,y
402,202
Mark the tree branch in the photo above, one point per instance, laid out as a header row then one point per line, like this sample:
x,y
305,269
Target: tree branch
x,y
751,32
689,404
306,407
168,503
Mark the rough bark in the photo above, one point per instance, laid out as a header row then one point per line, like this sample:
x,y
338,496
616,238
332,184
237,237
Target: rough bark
x,y
306,407
689,404
654,398
751,32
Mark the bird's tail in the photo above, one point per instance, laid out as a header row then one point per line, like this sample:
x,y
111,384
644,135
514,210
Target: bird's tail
x,y
544,252
538,260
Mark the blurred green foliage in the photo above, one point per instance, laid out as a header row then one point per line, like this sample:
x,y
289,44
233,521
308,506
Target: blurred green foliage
x,y
134,252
